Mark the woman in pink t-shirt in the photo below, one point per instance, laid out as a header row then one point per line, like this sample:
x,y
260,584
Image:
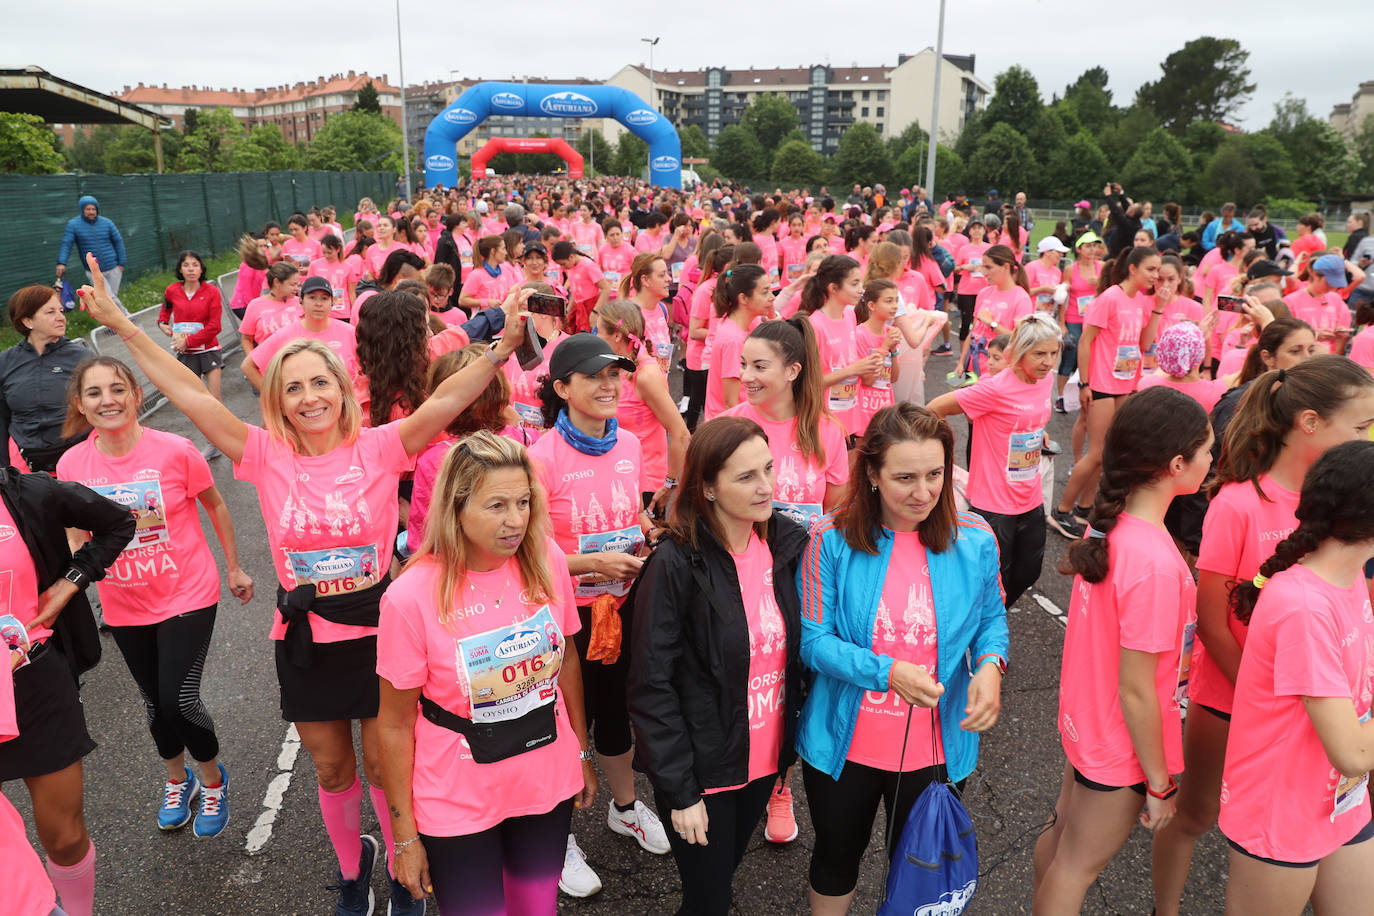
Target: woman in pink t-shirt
x,y
1362,346
616,256
1012,409
160,596
714,706
252,274
647,284
1127,650
1082,277
996,309
1286,421
792,249
742,297
488,284
1118,325
386,243
266,315
1179,355
483,768
1295,805
327,488
969,273
714,257
828,301
342,280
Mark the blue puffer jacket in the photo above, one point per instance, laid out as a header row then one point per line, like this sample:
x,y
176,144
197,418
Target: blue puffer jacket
x,y
840,588
98,235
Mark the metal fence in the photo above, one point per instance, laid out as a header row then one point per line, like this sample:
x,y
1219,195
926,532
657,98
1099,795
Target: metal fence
x,y
160,215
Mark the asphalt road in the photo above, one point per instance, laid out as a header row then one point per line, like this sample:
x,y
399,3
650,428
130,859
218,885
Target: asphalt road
x,y
274,809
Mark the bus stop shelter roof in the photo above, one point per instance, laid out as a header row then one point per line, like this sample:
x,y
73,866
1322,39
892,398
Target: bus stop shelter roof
x,y
33,90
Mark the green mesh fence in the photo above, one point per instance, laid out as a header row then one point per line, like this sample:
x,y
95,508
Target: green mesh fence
x,y
160,215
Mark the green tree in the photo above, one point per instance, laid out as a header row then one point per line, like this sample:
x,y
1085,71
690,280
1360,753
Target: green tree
x,y
263,150
1277,172
1091,101
631,155
1248,168
596,152
368,99
739,155
1003,160
796,164
190,120
1120,140
1159,169
769,117
913,135
1016,100
950,171
1205,80
1046,138
861,157
131,150
207,148
1077,168
1364,154
694,142
26,145
975,126
355,140
1202,140
1329,167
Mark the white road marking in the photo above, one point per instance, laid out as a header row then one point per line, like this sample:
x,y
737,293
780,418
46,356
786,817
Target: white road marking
x,y
261,833
1049,607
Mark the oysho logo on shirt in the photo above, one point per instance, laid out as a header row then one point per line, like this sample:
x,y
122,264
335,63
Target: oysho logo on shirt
x,y
7,532
148,474
624,466
352,475
577,475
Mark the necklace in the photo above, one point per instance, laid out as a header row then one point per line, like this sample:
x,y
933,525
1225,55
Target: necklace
x,y
505,585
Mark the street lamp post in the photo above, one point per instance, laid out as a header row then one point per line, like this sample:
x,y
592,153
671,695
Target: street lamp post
x,y
653,104
405,137
935,108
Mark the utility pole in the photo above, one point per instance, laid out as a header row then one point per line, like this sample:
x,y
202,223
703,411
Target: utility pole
x,y
653,92
935,108
405,136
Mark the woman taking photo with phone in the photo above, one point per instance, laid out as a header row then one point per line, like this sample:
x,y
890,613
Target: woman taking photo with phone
x,y
715,677
898,592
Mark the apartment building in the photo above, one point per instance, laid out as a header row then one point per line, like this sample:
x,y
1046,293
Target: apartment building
x,y
1348,118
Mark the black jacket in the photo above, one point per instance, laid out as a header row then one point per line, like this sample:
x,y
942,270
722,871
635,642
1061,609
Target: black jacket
x,y
33,391
689,663
446,252
42,509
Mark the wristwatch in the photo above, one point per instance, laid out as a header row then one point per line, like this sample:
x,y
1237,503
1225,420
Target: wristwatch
x,y
1169,791
995,658
497,361
585,755
77,577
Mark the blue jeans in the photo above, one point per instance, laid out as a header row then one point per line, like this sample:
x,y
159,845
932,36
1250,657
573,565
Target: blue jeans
x,y
1068,355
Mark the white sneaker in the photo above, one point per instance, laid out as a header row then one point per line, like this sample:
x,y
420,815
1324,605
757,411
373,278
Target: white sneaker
x,y
641,823
578,879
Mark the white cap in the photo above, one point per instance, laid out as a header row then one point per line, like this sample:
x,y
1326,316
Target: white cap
x,y
1050,243
482,206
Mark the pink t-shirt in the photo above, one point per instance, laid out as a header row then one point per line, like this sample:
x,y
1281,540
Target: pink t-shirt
x,y
635,415
767,659
453,795
1007,306
724,363
769,261
301,253
1180,308
873,398
915,292
18,578
699,351
658,334
800,481
339,336
331,519
1038,273
1082,292
584,280
587,237
1280,796
1239,532
1114,361
524,386
839,347
1362,347
1009,432
376,257
251,284
650,241
792,257
266,316
594,503
1205,391
910,637
1328,313
339,274
1146,603
1219,279
167,569
929,268
972,282
483,285
27,890
615,264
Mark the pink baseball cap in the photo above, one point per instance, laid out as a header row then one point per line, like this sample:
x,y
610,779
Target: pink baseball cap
x,y
1084,204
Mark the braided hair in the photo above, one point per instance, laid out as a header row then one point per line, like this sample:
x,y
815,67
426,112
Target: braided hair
x,y
1336,502
1150,429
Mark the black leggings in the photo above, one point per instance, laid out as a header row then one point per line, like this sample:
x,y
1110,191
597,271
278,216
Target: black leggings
x,y
603,694
1021,547
842,813
965,314
166,660
708,871
694,386
510,868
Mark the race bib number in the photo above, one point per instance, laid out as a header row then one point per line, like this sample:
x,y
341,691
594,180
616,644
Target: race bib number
x,y
465,258
677,271
1351,791
302,261
844,393
1023,455
793,271
1148,360
144,499
1185,663
613,276
530,415
1044,302
335,570
12,632
588,250
663,352
1083,302
976,261
773,273
883,377
1127,362
187,327
626,540
804,514
512,670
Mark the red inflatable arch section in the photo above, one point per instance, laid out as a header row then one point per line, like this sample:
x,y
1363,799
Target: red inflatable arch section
x,y
555,145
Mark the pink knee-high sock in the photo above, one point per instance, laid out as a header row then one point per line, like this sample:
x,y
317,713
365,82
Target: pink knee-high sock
x,y
378,796
75,884
342,813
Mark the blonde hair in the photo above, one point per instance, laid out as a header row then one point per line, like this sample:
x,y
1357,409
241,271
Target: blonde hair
x,y
461,473
1029,333
624,316
884,262
274,420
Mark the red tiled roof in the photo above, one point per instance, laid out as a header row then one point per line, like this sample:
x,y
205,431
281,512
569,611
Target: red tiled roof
x,y
207,97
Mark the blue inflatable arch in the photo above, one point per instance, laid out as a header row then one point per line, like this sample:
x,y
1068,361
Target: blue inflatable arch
x,y
551,101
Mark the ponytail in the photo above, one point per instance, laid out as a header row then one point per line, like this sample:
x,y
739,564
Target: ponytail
x,y
831,272
1003,256
795,342
738,280
715,261
1270,341
640,267
280,272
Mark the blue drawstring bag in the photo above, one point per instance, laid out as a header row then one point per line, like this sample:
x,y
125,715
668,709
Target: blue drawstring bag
x,y
934,869
67,295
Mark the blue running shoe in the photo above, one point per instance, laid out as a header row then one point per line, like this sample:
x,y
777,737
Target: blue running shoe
x,y
402,904
214,807
175,812
355,897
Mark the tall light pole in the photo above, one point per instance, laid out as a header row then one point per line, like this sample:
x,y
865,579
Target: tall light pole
x,y
651,42
405,137
935,108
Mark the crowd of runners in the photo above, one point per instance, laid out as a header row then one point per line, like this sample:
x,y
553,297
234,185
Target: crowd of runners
x,y
525,567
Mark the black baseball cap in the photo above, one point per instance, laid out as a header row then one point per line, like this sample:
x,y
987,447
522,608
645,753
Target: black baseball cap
x,y
316,284
1266,268
587,354
535,248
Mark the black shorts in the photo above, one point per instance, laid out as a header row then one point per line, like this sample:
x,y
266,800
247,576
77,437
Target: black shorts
x,y
1102,395
1366,833
1138,788
1223,716
340,684
202,363
52,723
603,692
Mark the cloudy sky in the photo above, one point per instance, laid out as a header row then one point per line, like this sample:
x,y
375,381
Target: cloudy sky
x,y
218,45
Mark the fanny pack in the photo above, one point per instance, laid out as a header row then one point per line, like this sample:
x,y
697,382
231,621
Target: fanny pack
x,y
491,742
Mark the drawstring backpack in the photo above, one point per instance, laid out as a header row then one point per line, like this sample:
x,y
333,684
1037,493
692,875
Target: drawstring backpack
x,y
934,869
